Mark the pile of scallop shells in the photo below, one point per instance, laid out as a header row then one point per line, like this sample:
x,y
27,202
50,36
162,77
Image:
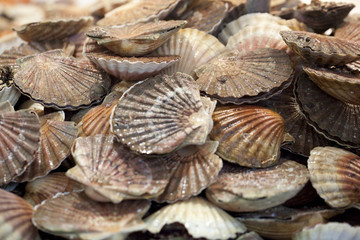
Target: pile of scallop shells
x,y
137,119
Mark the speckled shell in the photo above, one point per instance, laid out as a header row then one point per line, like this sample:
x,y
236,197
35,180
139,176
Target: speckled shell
x,y
200,218
52,29
194,48
232,76
87,219
137,11
243,143
114,172
48,186
248,190
321,49
192,169
335,174
161,114
331,117
329,231
59,81
10,94
127,69
15,218
349,31
342,85
258,36
19,142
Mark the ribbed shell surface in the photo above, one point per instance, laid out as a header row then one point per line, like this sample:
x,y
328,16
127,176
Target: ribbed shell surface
x,y
329,231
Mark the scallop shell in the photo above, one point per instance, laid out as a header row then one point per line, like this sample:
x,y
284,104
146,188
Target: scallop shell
x,y
137,11
251,38
56,140
48,186
34,106
161,114
231,76
5,106
329,231
52,29
114,172
87,219
321,49
243,143
335,174
15,218
340,84
19,142
200,218
248,190
127,69
135,40
59,81
192,169
10,94
194,48
9,40
332,118
349,31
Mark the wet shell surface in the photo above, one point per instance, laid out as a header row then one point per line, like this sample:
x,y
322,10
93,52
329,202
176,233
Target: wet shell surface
x,y
248,135
15,218
87,219
335,174
19,142
194,47
321,49
59,81
232,76
114,172
48,186
200,218
52,29
137,11
161,114
329,231
192,169
247,190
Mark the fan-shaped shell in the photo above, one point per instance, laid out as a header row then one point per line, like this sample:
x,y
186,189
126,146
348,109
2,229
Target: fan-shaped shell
x,y
232,76
48,186
15,218
329,231
335,174
52,29
10,94
321,49
160,114
248,190
137,11
116,173
349,31
194,48
19,142
87,219
200,218
192,169
248,135
59,81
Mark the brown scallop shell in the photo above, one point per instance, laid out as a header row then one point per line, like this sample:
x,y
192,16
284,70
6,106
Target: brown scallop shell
x,y
331,230
48,186
73,215
248,190
201,219
161,114
321,49
114,172
134,12
15,218
248,135
232,76
59,81
19,142
340,84
349,31
335,174
194,47
192,169
336,120
52,29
